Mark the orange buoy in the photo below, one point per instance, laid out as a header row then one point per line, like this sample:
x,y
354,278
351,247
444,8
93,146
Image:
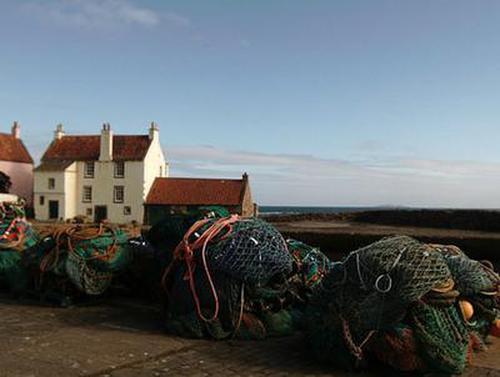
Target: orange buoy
x,y
467,309
495,328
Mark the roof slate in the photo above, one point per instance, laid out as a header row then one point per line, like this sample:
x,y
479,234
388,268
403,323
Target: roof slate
x,y
54,165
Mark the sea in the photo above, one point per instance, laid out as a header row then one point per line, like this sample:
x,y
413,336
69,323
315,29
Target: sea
x,y
289,210
292,210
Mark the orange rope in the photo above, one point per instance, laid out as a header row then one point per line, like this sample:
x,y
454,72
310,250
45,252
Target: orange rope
x,y
356,351
186,249
66,237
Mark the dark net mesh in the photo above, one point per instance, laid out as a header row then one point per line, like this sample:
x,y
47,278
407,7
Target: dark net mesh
x,y
250,287
254,252
87,257
400,300
402,266
372,286
471,276
442,336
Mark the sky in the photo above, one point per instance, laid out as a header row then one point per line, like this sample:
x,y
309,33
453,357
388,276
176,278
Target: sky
x,y
322,102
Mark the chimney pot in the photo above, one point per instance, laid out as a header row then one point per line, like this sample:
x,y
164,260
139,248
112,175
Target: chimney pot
x,y
154,131
106,150
59,132
16,130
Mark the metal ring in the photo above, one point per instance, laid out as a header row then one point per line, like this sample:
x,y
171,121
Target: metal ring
x,y
389,283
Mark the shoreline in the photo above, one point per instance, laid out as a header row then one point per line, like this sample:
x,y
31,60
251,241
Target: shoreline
x,y
475,232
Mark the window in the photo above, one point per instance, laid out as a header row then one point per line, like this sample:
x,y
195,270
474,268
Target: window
x,y
87,194
119,169
88,211
161,171
127,210
42,200
89,169
52,183
118,194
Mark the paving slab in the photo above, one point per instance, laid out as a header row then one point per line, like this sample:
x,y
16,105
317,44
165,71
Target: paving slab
x,y
125,338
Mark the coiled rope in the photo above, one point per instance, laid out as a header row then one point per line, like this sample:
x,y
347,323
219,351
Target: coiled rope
x,y
186,250
66,237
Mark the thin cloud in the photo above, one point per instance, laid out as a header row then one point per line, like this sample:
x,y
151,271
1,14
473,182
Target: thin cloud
x,y
100,14
176,19
308,180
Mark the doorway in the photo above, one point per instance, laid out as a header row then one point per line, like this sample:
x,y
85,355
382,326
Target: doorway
x,y
100,213
53,209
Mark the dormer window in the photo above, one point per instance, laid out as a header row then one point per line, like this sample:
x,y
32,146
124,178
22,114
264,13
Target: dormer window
x,y
89,169
119,169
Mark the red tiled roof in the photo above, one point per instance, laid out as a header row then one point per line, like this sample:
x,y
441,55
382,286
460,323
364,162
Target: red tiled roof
x,y
54,165
87,148
195,191
13,149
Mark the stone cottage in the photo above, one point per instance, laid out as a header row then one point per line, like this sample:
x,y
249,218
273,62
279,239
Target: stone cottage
x,y
181,195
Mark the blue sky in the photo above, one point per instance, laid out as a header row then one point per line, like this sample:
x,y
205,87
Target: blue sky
x,y
322,102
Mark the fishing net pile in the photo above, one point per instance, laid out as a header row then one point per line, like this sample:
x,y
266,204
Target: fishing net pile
x,y
16,235
403,303
413,306
154,252
73,260
235,276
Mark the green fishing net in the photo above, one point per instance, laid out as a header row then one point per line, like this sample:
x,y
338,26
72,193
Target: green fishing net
x,y
87,257
398,300
260,285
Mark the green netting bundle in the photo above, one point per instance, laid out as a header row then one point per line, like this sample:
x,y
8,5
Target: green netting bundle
x,y
442,337
478,284
397,300
12,273
471,277
166,234
154,252
223,272
181,315
236,277
88,257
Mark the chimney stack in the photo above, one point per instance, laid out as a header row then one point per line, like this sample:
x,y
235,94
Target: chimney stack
x,y
106,152
16,130
154,131
59,132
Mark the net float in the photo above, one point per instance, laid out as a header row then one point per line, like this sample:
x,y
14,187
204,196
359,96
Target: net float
x,y
467,309
495,328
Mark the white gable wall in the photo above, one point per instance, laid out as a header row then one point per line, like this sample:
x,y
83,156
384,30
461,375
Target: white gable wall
x,y
155,166
65,184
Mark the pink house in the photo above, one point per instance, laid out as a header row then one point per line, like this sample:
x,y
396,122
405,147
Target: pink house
x,y
16,162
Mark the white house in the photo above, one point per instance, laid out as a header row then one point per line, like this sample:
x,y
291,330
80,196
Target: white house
x,y
102,176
